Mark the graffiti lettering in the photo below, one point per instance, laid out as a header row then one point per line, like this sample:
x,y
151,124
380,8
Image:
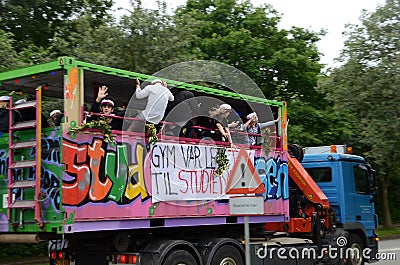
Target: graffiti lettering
x,y
50,150
274,174
51,187
76,187
136,176
3,162
95,174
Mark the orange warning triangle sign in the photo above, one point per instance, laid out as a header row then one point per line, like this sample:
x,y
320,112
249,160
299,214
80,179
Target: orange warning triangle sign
x,y
243,178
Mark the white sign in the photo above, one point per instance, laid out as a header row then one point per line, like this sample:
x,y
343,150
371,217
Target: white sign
x,y
246,205
186,172
5,200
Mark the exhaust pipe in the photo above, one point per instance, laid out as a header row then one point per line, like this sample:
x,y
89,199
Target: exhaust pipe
x,y
19,238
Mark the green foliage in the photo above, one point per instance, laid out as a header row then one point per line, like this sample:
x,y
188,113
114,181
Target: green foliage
x,y
100,124
36,22
151,129
153,39
368,85
8,56
222,162
102,45
319,126
284,64
391,231
266,133
22,250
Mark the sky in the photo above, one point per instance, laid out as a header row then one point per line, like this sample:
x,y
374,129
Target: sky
x,y
309,14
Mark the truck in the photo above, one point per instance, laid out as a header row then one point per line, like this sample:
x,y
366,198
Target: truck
x,y
119,197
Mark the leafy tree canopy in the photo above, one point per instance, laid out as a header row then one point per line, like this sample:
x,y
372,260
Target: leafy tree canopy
x,y
35,22
284,64
368,84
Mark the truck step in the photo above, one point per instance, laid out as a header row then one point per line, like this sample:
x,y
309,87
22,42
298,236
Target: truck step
x,y
24,125
23,184
27,204
23,164
26,105
27,144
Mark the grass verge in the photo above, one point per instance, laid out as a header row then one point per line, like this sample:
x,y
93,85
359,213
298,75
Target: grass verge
x,y
387,232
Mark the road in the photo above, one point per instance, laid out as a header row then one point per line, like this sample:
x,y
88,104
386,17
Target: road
x,y
389,250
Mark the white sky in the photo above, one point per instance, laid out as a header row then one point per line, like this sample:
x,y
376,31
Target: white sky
x,y
310,14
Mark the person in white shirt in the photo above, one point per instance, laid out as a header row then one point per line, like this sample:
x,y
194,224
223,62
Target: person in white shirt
x,y
253,127
158,95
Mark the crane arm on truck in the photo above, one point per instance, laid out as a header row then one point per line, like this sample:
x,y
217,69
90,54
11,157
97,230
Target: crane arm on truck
x,y
307,185
313,207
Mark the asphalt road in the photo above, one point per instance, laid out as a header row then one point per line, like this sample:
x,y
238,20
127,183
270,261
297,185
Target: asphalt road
x,y
389,251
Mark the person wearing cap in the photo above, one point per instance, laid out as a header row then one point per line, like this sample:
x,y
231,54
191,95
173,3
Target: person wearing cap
x,y
210,122
56,117
252,126
224,110
105,106
4,113
29,114
158,95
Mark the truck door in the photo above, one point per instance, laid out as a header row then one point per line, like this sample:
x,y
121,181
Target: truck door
x,y
363,199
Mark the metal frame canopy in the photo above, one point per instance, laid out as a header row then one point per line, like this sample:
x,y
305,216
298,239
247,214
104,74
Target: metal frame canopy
x,y
51,76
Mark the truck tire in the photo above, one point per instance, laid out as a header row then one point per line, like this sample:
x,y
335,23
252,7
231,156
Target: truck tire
x,y
179,257
296,151
355,243
227,255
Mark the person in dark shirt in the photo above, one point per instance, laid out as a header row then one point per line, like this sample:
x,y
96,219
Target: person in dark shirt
x,y
210,122
29,114
182,111
56,117
4,113
105,106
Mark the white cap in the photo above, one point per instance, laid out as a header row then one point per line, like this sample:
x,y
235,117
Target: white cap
x,y
108,102
155,81
225,107
4,98
20,101
251,115
54,112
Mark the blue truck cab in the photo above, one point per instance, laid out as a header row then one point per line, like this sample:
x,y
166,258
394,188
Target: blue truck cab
x,y
349,182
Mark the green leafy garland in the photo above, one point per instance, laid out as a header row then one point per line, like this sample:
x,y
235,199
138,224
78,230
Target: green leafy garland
x,y
100,124
153,139
266,133
222,161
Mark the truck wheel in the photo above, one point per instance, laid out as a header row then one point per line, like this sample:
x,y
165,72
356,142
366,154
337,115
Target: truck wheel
x,y
227,255
180,257
355,243
296,151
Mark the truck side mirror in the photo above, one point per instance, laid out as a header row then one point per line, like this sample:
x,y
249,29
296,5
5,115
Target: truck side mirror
x,y
374,193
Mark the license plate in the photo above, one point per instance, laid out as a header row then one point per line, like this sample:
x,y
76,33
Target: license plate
x,y
62,262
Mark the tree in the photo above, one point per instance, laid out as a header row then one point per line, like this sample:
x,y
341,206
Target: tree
x,y
8,56
368,84
102,45
153,39
35,22
284,64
